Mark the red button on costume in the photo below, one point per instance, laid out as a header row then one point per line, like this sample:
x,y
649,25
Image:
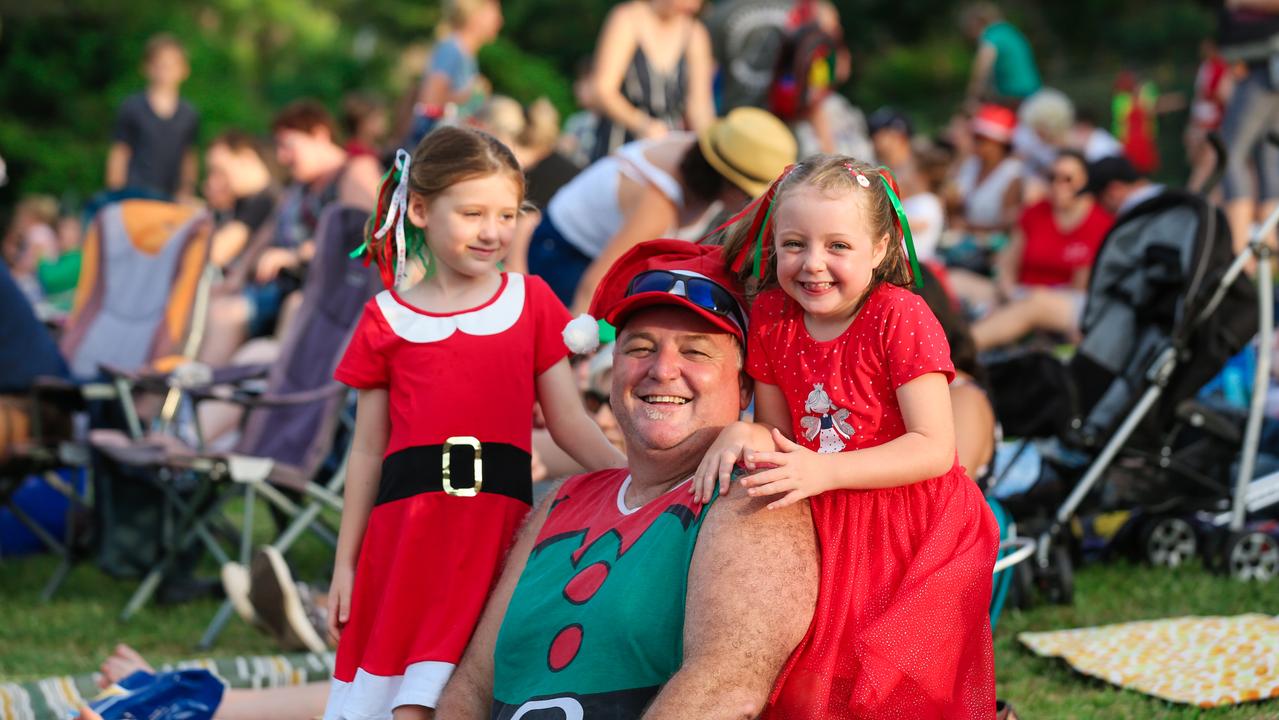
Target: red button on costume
x,y
901,628
429,559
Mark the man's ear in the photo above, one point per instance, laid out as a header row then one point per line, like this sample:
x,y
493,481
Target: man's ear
x,y
418,207
747,389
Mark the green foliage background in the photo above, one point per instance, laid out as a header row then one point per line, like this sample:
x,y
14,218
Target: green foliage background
x,y
65,65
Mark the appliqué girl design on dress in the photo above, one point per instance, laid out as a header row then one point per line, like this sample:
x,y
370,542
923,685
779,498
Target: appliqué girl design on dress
x,y
832,428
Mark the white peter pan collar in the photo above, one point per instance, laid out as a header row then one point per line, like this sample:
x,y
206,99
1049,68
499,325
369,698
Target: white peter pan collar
x,y
498,315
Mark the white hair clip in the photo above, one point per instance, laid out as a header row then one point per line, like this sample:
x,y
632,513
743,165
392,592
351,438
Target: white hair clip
x,y
863,180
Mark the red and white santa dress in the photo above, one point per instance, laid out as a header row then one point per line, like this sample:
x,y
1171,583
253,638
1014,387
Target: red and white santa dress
x,y
434,546
902,626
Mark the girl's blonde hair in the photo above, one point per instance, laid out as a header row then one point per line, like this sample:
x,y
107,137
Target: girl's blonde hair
x,y
834,175
455,13
445,157
537,126
42,208
542,130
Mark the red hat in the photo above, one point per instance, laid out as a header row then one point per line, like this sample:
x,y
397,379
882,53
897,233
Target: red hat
x,y
995,122
688,262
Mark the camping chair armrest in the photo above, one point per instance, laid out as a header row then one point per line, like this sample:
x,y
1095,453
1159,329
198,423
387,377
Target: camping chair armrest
x,y
53,402
63,394
144,380
250,400
231,382
158,382
236,374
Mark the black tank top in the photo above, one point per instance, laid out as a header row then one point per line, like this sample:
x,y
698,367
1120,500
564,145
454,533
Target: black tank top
x,y
659,94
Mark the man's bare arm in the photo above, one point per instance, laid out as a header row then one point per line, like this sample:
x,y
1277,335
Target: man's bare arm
x,y
469,692
752,587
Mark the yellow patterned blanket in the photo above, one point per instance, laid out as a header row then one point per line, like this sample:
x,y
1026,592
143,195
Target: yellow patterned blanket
x,y
1202,661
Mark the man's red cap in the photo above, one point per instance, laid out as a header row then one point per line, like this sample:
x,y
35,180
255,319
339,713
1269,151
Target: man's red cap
x,y
612,304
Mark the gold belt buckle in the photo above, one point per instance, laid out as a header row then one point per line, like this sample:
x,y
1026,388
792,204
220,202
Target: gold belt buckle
x,y
446,475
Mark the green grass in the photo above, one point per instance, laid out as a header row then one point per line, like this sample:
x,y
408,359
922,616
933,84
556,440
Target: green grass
x,y
74,632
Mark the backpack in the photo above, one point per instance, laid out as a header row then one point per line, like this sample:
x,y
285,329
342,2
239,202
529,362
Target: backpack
x,y
805,70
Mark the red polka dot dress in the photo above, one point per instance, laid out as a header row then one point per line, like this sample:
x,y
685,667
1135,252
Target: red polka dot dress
x,y
461,388
902,626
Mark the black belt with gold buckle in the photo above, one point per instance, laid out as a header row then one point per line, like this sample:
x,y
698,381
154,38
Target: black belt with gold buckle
x,y
461,467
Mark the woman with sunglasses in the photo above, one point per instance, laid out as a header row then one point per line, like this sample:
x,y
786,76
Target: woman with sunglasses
x,y
1042,275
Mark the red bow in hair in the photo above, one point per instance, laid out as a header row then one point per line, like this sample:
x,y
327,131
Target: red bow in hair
x,y
759,226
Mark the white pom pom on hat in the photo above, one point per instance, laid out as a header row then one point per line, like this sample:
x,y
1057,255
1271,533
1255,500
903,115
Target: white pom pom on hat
x,y
582,334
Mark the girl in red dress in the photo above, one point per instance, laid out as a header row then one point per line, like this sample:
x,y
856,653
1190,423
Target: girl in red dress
x,y
439,474
852,413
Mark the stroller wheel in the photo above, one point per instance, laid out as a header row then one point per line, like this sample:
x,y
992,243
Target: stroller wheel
x,y
1252,556
1021,591
1168,541
1057,581
1214,551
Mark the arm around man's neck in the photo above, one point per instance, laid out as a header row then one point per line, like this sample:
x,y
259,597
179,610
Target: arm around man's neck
x,y
752,587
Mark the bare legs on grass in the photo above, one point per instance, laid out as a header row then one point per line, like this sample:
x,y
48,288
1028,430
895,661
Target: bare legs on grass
x,y
300,702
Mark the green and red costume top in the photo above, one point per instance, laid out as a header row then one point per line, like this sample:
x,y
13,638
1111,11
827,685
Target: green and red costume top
x,y
595,626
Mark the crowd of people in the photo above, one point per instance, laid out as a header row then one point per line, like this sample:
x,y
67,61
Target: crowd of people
x,y
792,371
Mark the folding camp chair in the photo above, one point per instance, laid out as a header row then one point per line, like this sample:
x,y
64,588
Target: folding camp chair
x,y
34,429
139,303
29,434
288,429
142,299
34,435
143,283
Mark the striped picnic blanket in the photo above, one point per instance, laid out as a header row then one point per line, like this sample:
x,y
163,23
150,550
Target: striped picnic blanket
x,y
57,697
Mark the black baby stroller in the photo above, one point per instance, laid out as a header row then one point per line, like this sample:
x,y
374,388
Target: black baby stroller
x,y
1167,306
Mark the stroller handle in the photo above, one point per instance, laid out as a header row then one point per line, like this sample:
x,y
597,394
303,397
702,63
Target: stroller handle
x,y
1024,548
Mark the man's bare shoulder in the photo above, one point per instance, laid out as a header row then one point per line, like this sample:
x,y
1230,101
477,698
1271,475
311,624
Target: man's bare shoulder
x,y
746,552
737,517
737,506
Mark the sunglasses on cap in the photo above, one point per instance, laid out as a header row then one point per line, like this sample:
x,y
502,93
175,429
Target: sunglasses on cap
x,y
701,291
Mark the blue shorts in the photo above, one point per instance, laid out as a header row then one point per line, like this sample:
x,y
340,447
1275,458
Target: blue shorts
x,y
556,260
264,307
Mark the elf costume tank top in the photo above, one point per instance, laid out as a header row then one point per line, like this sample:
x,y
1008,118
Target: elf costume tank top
x,y
596,623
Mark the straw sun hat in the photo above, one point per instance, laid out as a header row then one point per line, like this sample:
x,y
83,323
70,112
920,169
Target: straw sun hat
x,y
749,147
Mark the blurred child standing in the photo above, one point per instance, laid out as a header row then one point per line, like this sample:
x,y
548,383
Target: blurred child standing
x,y
153,146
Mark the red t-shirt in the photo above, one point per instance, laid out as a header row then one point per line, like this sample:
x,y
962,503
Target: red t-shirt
x,y
1051,256
842,393
467,373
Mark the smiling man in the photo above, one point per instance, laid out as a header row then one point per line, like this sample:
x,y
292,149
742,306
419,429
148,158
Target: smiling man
x,y
624,598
